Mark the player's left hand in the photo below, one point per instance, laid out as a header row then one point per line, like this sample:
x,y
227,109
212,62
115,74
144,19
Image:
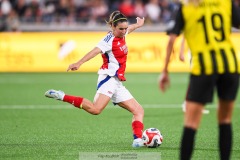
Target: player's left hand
x,y
140,21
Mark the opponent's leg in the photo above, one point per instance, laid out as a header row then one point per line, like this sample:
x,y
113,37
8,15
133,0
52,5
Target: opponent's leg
x,y
192,117
225,110
204,111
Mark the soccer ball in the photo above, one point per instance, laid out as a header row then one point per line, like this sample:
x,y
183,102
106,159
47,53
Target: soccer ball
x,y
152,138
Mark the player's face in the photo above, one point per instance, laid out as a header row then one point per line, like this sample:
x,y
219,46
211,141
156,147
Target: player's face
x,y
121,29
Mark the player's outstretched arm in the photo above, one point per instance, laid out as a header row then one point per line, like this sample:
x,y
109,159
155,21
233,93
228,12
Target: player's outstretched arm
x,y
138,24
181,53
75,66
164,81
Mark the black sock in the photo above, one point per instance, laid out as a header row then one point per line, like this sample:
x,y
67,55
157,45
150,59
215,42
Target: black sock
x,y
187,143
225,141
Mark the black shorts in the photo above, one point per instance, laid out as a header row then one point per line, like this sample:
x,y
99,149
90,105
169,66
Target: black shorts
x,y
201,88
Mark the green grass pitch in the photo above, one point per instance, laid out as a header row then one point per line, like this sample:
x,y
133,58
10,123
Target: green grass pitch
x,y
35,127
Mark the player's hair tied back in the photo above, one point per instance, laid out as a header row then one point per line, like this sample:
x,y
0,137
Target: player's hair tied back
x,y
116,17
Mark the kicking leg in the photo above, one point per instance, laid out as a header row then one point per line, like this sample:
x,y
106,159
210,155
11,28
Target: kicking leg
x,y
95,108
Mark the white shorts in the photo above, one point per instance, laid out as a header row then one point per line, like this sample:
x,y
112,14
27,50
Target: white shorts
x,y
113,88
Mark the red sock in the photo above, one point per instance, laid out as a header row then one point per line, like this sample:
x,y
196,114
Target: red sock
x,y
137,128
76,101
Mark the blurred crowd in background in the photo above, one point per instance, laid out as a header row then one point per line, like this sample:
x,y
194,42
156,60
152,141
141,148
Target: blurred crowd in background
x,y
90,12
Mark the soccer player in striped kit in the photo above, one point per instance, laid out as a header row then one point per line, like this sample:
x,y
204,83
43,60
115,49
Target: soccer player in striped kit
x,y
206,25
113,50
182,58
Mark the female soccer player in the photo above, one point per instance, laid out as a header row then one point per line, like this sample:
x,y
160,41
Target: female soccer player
x,y
182,58
206,25
114,52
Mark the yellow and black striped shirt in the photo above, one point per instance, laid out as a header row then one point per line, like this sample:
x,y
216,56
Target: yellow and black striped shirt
x,y
207,29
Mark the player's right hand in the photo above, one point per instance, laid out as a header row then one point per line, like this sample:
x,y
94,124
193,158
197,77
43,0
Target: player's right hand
x,y
164,81
73,67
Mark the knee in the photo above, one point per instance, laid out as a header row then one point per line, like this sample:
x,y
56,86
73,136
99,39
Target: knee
x,y
96,112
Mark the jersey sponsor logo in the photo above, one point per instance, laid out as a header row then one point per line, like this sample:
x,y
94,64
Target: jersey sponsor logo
x,y
124,49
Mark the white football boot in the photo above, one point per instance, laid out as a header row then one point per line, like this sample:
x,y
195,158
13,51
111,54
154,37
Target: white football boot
x,y
55,94
137,143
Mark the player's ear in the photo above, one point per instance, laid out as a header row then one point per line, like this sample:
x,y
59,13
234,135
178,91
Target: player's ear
x,y
113,28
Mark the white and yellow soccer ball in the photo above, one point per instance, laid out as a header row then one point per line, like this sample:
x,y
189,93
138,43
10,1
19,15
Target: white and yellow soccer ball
x,y
152,138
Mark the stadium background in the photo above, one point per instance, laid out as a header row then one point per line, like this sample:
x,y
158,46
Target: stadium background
x,y
48,35
34,58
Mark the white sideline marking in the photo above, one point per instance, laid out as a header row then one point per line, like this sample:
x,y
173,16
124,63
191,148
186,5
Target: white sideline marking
x,y
68,106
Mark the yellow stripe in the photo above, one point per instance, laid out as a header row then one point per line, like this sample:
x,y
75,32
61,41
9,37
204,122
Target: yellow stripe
x,y
118,19
230,60
207,62
219,63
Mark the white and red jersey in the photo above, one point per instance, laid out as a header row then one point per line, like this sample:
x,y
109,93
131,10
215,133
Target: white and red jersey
x,y
114,55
